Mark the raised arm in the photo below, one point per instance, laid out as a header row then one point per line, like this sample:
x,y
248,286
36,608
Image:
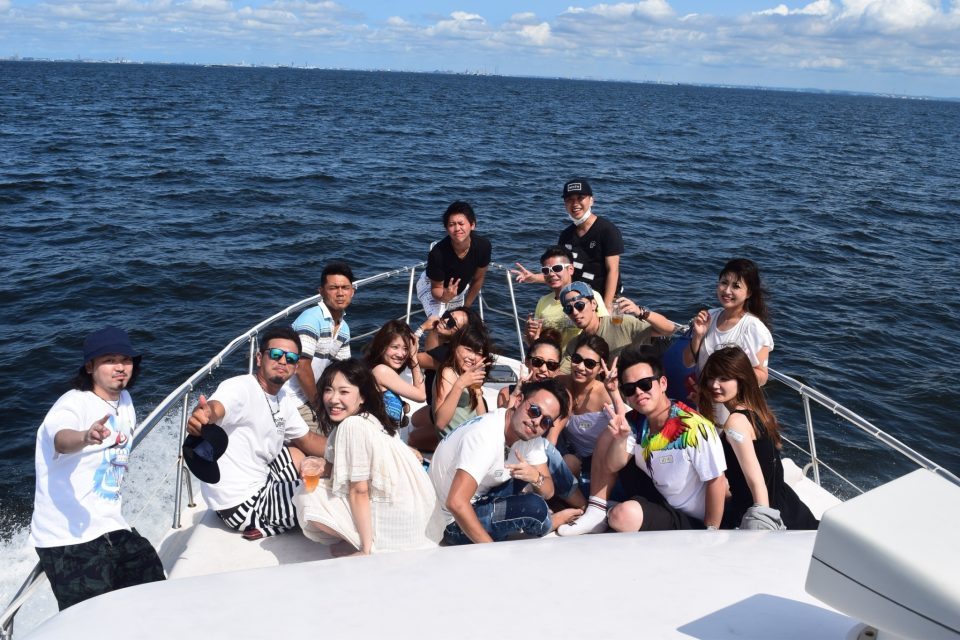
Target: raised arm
x,y
72,440
700,325
449,388
387,378
612,264
617,454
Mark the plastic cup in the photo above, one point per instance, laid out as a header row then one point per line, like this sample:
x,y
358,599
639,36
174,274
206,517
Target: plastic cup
x,y
616,315
310,470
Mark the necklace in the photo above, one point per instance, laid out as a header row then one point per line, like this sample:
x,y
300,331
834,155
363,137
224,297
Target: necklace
x,y
114,406
278,423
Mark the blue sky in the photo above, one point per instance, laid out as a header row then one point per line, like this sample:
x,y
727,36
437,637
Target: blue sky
x,y
888,46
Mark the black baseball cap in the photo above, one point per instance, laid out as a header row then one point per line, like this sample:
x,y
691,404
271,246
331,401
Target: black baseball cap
x,y
577,186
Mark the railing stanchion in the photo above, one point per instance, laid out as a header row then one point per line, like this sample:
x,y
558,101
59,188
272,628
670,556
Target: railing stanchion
x,y
480,302
413,273
178,498
516,316
253,354
810,437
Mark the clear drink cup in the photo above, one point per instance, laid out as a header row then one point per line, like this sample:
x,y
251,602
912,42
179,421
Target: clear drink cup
x,y
310,470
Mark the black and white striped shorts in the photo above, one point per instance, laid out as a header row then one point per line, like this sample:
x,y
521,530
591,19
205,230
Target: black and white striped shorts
x,y
271,509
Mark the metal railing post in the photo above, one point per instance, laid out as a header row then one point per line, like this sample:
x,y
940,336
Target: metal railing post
x,y
413,273
810,437
516,316
6,622
178,490
480,302
253,353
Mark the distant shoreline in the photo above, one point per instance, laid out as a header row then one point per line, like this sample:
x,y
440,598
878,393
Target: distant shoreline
x,y
483,73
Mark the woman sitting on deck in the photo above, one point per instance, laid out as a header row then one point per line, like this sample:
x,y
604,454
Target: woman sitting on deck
x,y
374,495
458,396
751,444
393,349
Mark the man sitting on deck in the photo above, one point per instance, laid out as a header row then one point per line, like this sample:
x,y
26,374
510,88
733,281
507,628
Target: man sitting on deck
x,y
556,265
258,475
638,325
477,488
677,449
325,336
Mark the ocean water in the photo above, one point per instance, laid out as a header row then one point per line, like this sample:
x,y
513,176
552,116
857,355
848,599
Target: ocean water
x,y
186,203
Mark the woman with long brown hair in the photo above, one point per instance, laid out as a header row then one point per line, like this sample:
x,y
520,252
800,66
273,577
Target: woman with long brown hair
x,y
751,442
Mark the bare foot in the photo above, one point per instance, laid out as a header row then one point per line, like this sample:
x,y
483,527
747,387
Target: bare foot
x,y
342,548
564,517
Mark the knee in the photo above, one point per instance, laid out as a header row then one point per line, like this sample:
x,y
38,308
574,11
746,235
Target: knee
x,y
626,516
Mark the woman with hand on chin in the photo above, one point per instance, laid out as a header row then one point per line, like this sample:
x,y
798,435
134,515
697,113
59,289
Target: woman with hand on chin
x,y
459,385
374,495
751,445
393,349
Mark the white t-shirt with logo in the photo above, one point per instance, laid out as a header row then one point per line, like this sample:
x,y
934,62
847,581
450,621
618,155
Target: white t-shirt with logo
x,y
257,424
77,495
477,446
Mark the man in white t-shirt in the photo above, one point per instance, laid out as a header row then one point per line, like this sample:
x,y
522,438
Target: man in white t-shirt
x,y
481,469
258,474
676,447
86,547
324,336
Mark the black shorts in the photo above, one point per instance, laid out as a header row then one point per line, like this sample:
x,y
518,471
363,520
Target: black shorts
x,y
660,516
115,560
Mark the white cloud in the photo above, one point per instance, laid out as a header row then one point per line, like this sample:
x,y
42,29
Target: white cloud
x,y
538,34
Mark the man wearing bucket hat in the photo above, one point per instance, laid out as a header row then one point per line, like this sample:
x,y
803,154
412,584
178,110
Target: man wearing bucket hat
x,y
83,447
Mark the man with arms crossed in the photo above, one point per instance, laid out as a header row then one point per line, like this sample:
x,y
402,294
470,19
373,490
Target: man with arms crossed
x,y
477,488
86,547
258,474
325,336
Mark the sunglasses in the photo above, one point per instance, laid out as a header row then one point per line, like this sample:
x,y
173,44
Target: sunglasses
x,y
552,365
534,412
449,322
276,354
644,384
589,363
579,304
557,268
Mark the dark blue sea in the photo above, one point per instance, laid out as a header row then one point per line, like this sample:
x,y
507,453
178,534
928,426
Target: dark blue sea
x,y
186,203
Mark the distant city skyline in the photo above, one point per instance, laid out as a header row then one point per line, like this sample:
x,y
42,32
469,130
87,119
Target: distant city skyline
x,y
905,47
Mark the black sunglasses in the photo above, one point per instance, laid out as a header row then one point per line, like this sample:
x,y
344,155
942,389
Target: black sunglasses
x,y
579,304
589,363
644,384
557,268
449,321
276,354
534,411
552,365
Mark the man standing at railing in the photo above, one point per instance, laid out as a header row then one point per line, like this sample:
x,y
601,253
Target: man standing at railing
x,y
85,545
257,473
325,336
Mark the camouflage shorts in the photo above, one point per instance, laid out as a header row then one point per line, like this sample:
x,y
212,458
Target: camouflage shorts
x,y
114,560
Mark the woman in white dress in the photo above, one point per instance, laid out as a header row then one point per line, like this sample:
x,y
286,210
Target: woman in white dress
x,y
374,494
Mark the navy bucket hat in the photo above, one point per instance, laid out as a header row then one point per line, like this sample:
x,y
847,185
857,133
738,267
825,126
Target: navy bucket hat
x,y
200,453
108,340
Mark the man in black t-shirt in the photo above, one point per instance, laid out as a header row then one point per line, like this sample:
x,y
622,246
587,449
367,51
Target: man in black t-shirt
x,y
595,242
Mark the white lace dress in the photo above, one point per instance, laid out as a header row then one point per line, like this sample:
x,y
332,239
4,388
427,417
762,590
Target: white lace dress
x,y
404,509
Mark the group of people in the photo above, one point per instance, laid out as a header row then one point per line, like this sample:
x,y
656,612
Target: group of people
x,y
602,430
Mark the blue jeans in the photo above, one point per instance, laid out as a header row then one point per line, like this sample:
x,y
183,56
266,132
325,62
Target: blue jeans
x,y
503,513
563,480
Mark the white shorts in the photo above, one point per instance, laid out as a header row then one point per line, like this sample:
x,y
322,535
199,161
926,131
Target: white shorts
x,y
431,305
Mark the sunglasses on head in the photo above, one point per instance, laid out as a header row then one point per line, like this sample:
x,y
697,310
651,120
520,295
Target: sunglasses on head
x,y
276,354
589,363
578,303
644,384
552,365
534,412
556,268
